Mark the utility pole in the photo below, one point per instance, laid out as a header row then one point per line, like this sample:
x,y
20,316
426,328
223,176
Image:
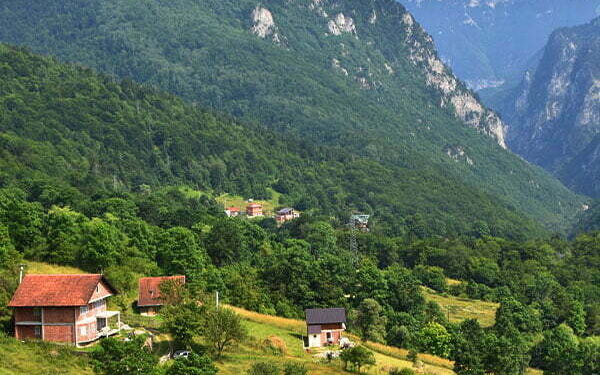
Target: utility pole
x,y
21,269
217,298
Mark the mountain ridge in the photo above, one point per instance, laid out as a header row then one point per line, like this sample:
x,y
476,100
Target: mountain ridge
x,y
554,113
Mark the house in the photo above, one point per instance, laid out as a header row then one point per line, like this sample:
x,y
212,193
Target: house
x,y
64,308
149,298
286,214
254,210
232,211
325,326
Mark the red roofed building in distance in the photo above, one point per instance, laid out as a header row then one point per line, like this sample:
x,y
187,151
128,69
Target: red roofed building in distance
x,y
286,214
63,308
232,211
254,210
149,298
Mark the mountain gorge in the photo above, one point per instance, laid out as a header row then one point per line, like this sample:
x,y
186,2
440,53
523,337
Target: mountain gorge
x,y
488,43
361,79
554,115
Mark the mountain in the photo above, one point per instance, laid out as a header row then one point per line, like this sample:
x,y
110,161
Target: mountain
x,y
67,134
362,77
489,42
554,115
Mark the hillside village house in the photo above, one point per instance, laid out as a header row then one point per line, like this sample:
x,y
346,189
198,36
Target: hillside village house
x,y
149,298
325,326
232,211
286,214
254,210
64,308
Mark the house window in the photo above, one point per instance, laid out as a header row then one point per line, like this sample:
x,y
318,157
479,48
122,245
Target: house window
x,y
37,314
83,310
37,331
83,331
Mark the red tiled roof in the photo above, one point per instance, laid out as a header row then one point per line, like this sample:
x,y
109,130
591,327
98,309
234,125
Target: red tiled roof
x,y
149,289
234,209
56,290
254,205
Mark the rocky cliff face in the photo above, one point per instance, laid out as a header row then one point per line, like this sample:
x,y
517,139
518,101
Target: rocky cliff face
x,y
554,115
487,42
337,16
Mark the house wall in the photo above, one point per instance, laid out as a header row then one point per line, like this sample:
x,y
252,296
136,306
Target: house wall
x,y
102,291
149,310
314,341
59,333
58,322
25,314
25,333
59,315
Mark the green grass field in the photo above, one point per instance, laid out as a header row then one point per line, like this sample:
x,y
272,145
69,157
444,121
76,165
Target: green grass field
x,y
459,309
18,358
231,200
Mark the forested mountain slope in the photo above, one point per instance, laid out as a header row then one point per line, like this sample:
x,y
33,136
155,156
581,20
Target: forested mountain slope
x,y
554,115
62,126
361,75
489,42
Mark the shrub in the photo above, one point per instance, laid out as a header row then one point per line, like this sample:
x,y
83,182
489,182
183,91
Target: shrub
x,y
275,345
263,368
402,371
294,369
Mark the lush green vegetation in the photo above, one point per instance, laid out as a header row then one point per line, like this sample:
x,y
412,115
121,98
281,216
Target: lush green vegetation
x,y
394,135
67,134
91,175
20,358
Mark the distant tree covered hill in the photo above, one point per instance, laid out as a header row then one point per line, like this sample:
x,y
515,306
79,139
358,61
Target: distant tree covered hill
x,y
63,126
359,75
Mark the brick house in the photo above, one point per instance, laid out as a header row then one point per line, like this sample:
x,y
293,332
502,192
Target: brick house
x,y
286,214
325,326
254,210
149,298
232,211
63,308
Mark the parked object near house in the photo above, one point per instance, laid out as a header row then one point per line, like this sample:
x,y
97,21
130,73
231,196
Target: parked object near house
x,y
286,214
254,210
325,326
149,298
232,211
64,308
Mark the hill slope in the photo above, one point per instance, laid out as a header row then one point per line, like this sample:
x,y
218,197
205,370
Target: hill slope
x,y
554,115
61,124
359,75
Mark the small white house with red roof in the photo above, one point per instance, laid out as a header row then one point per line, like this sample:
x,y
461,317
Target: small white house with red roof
x,y
64,308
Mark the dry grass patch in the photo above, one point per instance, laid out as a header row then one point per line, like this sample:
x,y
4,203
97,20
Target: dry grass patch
x,y
40,268
294,325
459,309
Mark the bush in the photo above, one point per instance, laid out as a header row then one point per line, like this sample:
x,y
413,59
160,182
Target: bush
x,y
294,369
402,371
358,357
275,345
263,368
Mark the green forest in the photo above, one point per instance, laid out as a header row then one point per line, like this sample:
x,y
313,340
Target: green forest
x,y
380,114
68,134
92,170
